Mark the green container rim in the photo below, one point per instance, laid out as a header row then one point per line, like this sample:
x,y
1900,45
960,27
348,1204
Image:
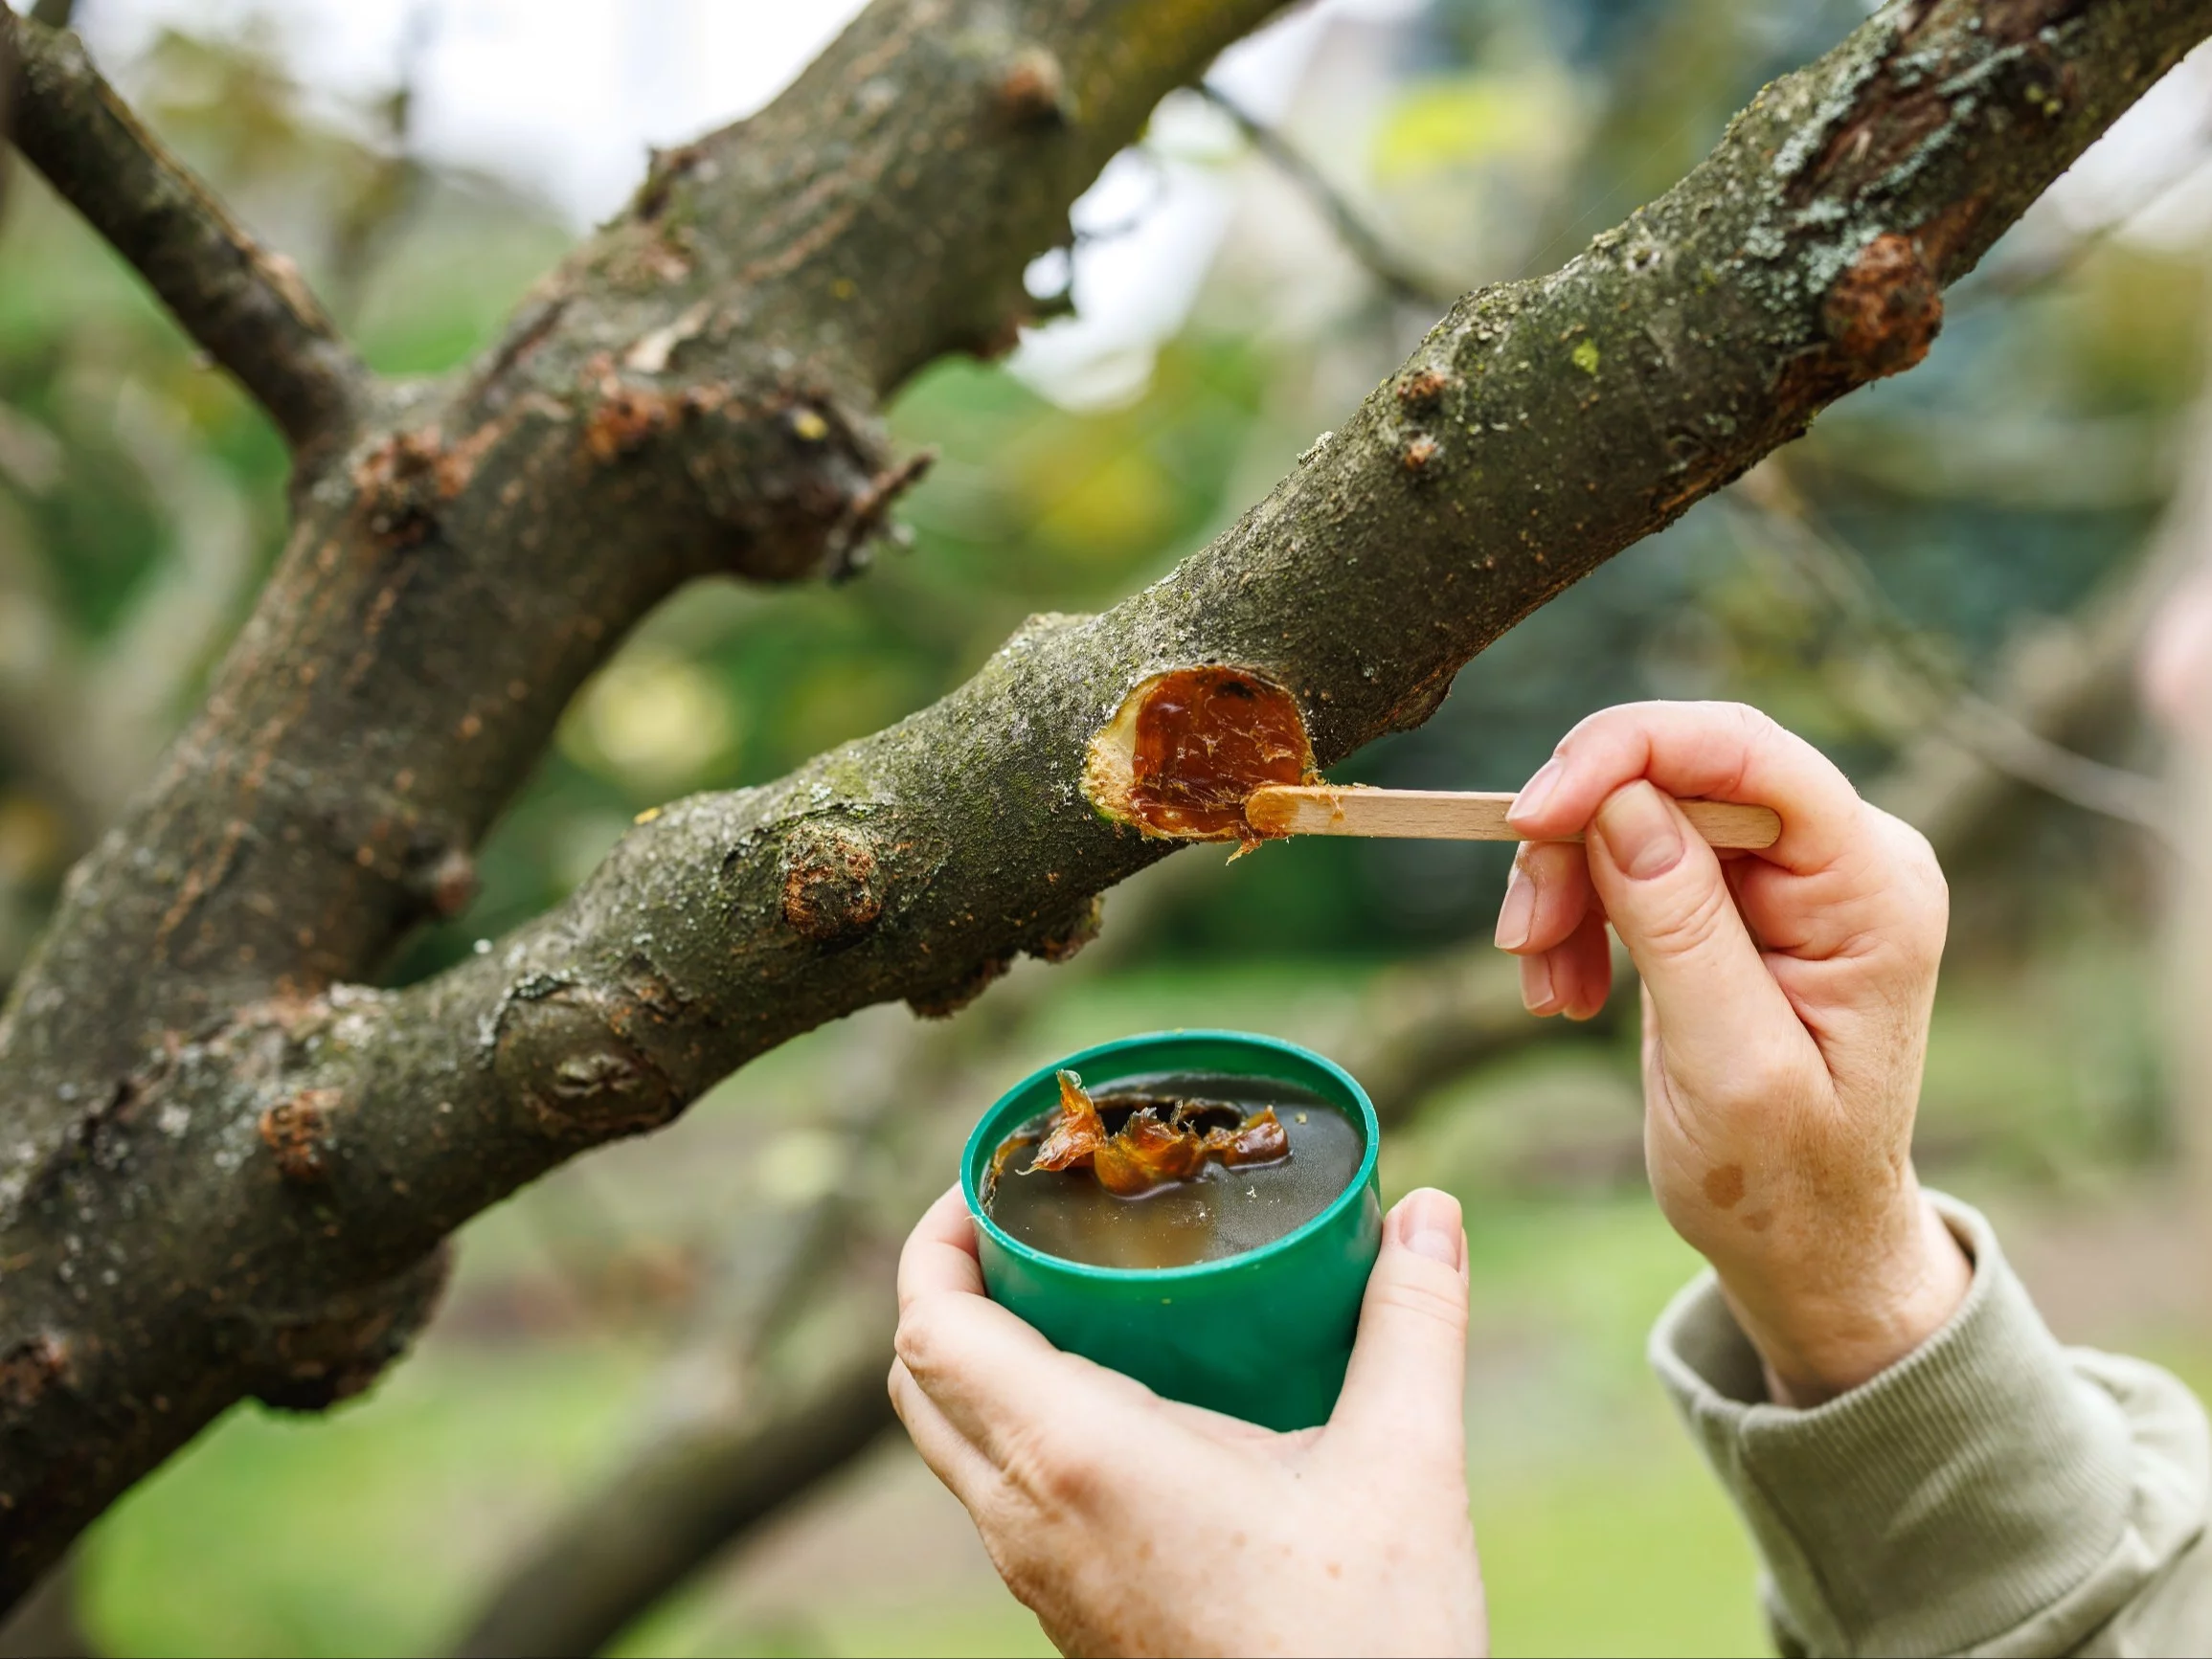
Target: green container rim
x,y
1370,1126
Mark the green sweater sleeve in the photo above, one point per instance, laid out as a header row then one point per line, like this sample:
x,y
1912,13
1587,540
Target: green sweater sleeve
x,y
1991,1492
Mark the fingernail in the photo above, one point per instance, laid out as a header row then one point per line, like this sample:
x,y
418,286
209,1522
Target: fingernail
x,y
1639,831
1517,915
1535,992
1536,790
1429,1222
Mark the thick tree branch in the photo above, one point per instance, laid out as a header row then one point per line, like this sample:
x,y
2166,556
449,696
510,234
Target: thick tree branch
x,y
691,389
692,393
248,308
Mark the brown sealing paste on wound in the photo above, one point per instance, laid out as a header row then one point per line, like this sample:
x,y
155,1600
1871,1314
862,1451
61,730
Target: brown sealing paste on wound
x,y
1186,747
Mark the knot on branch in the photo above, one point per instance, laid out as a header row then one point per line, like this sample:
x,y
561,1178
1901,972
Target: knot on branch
x,y
310,1363
401,482
663,169
31,1366
626,418
1880,316
1054,940
780,487
446,881
298,1134
833,882
1883,312
1421,699
1032,91
568,1056
1060,939
1421,389
863,523
944,1002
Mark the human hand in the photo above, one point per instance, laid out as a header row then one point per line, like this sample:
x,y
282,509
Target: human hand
x,y
1133,1524
1786,998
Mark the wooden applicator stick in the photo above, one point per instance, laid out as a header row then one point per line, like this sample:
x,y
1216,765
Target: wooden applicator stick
x,y
1284,809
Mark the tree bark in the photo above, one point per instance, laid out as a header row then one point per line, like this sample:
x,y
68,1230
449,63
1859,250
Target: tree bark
x,y
230,1171
692,392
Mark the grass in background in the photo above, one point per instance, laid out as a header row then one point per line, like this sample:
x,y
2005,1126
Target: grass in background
x,y
368,1532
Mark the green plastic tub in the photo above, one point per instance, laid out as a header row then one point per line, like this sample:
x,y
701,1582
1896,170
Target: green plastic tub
x,y
1265,1336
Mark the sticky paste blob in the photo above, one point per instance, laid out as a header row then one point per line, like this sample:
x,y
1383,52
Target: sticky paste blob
x,y
1187,746
1259,1140
1148,1151
1076,1133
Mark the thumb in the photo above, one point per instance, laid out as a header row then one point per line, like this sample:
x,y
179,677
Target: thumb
x,y
1664,891
1404,1395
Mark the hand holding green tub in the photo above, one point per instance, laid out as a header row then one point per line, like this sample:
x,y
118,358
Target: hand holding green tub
x,y
1924,1469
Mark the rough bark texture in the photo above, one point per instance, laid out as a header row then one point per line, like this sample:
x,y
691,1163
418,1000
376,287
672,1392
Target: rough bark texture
x,y
692,392
230,1174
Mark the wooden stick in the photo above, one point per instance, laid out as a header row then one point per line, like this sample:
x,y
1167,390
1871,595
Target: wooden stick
x,y
1326,809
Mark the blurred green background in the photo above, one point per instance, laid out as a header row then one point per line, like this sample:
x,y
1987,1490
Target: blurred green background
x,y
1945,553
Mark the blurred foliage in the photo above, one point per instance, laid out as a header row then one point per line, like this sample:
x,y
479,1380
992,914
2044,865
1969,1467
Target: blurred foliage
x,y
1992,492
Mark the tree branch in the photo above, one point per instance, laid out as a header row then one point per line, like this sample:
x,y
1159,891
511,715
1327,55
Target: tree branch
x,y
1360,238
248,308
693,393
687,389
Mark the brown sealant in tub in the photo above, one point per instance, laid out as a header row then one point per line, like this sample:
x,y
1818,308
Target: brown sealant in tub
x,y
1187,746
1167,1171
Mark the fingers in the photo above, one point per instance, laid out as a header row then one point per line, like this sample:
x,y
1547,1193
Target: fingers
x,y
1714,1000
940,1252
977,1364
952,1457
1403,1397
1545,898
992,1377
1550,919
1582,969
1887,896
1711,751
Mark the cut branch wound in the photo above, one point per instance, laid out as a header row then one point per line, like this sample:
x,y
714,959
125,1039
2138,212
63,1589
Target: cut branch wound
x,y
1186,747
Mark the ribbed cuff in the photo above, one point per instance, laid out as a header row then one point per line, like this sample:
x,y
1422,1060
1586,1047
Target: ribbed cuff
x,y
1934,1508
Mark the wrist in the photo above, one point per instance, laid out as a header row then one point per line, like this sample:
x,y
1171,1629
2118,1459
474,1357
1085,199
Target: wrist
x,y
1826,1327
